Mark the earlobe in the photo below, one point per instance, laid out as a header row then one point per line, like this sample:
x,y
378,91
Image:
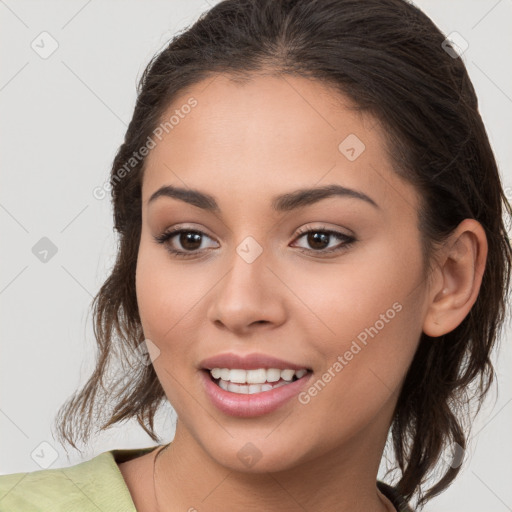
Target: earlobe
x,y
461,267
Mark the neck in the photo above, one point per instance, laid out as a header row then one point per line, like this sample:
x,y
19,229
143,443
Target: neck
x,y
187,478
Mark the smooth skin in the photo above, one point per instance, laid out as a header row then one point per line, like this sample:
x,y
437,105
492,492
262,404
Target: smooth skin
x,y
243,144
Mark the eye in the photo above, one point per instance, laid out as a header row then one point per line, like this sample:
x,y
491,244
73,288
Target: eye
x,y
319,239
189,239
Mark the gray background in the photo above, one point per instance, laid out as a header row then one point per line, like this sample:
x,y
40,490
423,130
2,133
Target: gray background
x,y
62,119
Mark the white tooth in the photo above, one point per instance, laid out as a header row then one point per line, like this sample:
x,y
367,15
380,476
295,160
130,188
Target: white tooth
x,y
234,388
249,389
216,373
238,376
258,376
273,374
301,373
287,374
254,388
255,377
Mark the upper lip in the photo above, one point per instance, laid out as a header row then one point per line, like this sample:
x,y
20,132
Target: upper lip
x,y
247,362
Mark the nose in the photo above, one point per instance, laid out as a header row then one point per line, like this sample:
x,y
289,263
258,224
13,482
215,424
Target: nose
x,y
249,296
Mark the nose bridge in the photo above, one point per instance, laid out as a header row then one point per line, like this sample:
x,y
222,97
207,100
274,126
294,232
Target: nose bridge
x,y
249,273
247,293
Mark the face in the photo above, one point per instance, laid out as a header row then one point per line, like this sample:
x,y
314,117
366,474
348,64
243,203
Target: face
x,y
333,283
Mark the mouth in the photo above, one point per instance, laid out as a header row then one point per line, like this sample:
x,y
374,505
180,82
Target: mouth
x,y
251,382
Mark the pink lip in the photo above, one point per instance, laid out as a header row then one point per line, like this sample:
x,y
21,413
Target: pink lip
x,y
247,362
244,406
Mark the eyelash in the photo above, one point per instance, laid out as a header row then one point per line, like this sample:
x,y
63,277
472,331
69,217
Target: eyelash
x,y
348,241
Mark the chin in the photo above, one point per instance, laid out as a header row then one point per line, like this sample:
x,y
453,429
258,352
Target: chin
x,y
246,454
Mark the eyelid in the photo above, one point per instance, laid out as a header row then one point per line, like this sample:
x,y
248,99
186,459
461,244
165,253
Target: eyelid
x,y
186,227
322,227
170,233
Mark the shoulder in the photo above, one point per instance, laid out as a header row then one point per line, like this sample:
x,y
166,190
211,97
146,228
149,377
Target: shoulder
x,y
93,485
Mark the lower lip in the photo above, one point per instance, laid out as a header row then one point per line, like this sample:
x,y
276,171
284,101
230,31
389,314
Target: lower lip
x,y
257,404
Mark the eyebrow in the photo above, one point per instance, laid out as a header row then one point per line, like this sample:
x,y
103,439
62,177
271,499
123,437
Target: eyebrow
x,y
282,203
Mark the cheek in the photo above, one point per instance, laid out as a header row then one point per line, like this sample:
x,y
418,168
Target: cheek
x,y
371,312
167,293
164,299
153,302
362,370
345,298
362,379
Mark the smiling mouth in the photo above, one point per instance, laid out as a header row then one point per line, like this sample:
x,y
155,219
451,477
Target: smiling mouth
x,y
249,382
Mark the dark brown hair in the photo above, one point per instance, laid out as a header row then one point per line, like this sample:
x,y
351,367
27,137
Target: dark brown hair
x,y
389,58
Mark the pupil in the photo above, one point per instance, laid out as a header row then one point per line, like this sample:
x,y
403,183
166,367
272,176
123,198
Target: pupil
x,y
315,239
187,238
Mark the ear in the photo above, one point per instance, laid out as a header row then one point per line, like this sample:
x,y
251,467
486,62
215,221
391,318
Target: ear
x,y
460,270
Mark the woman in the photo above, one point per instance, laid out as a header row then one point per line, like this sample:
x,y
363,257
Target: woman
x,y
312,251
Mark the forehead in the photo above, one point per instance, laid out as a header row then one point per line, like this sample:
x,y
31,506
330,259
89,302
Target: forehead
x,y
268,134
281,113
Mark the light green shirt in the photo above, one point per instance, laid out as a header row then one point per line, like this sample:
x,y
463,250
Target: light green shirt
x,y
96,485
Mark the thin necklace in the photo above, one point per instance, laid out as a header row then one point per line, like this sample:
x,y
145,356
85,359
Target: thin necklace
x,y
154,479
154,474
